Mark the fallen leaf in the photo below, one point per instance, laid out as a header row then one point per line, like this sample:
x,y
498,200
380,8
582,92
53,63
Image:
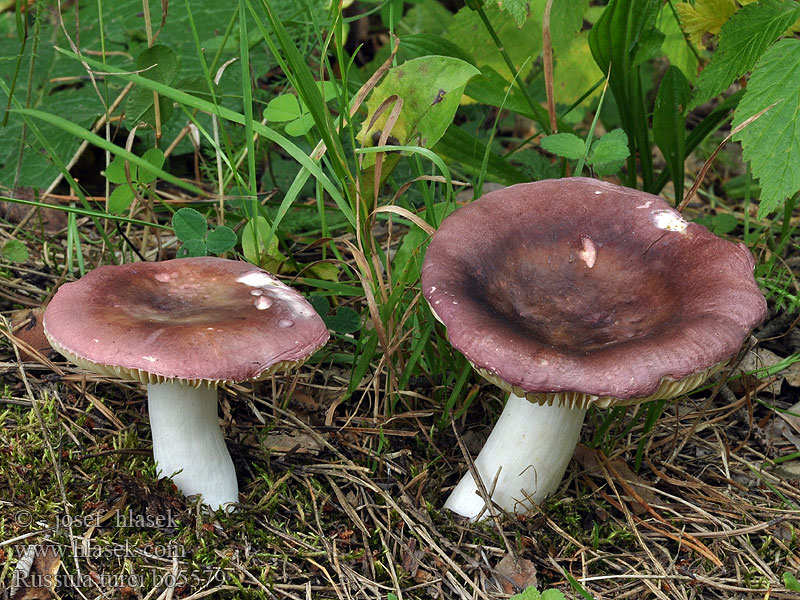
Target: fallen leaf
x,y
26,325
515,574
35,574
296,442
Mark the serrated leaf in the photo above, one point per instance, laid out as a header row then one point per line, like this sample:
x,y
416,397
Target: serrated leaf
x,y
431,89
154,156
189,224
282,109
14,251
517,9
120,199
345,320
115,172
221,239
669,123
608,154
705,16
567,145
771,144
742,40
191,248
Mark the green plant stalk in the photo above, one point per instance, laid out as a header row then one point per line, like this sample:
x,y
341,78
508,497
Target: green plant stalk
x,y
588,146
84,212
65,172
182,97
541,115
298,72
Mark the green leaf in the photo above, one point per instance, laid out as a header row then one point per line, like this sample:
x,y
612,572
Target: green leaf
x,y
120,199
552,595
566,20
529,593
345,320
575,72
189,224
564,144
155,157
791,583
669,123
158,63
192,248
221,239
282,108
320,304
430,88
517,9
724,223
255,247
624,36
675,46
300,126
609,152
704,16
426,44
772,142
14,251
115,172
523,44
742,39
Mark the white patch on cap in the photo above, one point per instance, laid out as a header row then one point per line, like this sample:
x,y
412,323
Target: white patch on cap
x,y
588,253
598,192
266,283
166,277
669,220
150,358
433,289
645,205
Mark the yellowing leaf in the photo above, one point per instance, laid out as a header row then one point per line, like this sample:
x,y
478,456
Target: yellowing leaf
x,y
706,16
430,88
575,71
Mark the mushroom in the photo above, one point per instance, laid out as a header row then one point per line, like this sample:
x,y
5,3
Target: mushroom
x,y
182,327
575,292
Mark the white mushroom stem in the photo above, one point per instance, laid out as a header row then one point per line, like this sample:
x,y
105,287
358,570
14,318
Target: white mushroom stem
x,y
188,444
530,447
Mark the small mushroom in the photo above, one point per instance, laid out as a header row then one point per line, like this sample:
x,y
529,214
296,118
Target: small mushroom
x,y
575,292
182,327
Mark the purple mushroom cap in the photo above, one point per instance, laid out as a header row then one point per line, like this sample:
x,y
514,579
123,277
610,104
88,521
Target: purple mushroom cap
x,y
198,320
578,286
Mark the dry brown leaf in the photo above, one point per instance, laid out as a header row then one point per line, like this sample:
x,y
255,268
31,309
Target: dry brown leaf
x,y
297,442
36,580
515,574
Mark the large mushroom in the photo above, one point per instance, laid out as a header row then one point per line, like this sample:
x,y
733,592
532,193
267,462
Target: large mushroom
x,y
575,292
182,327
